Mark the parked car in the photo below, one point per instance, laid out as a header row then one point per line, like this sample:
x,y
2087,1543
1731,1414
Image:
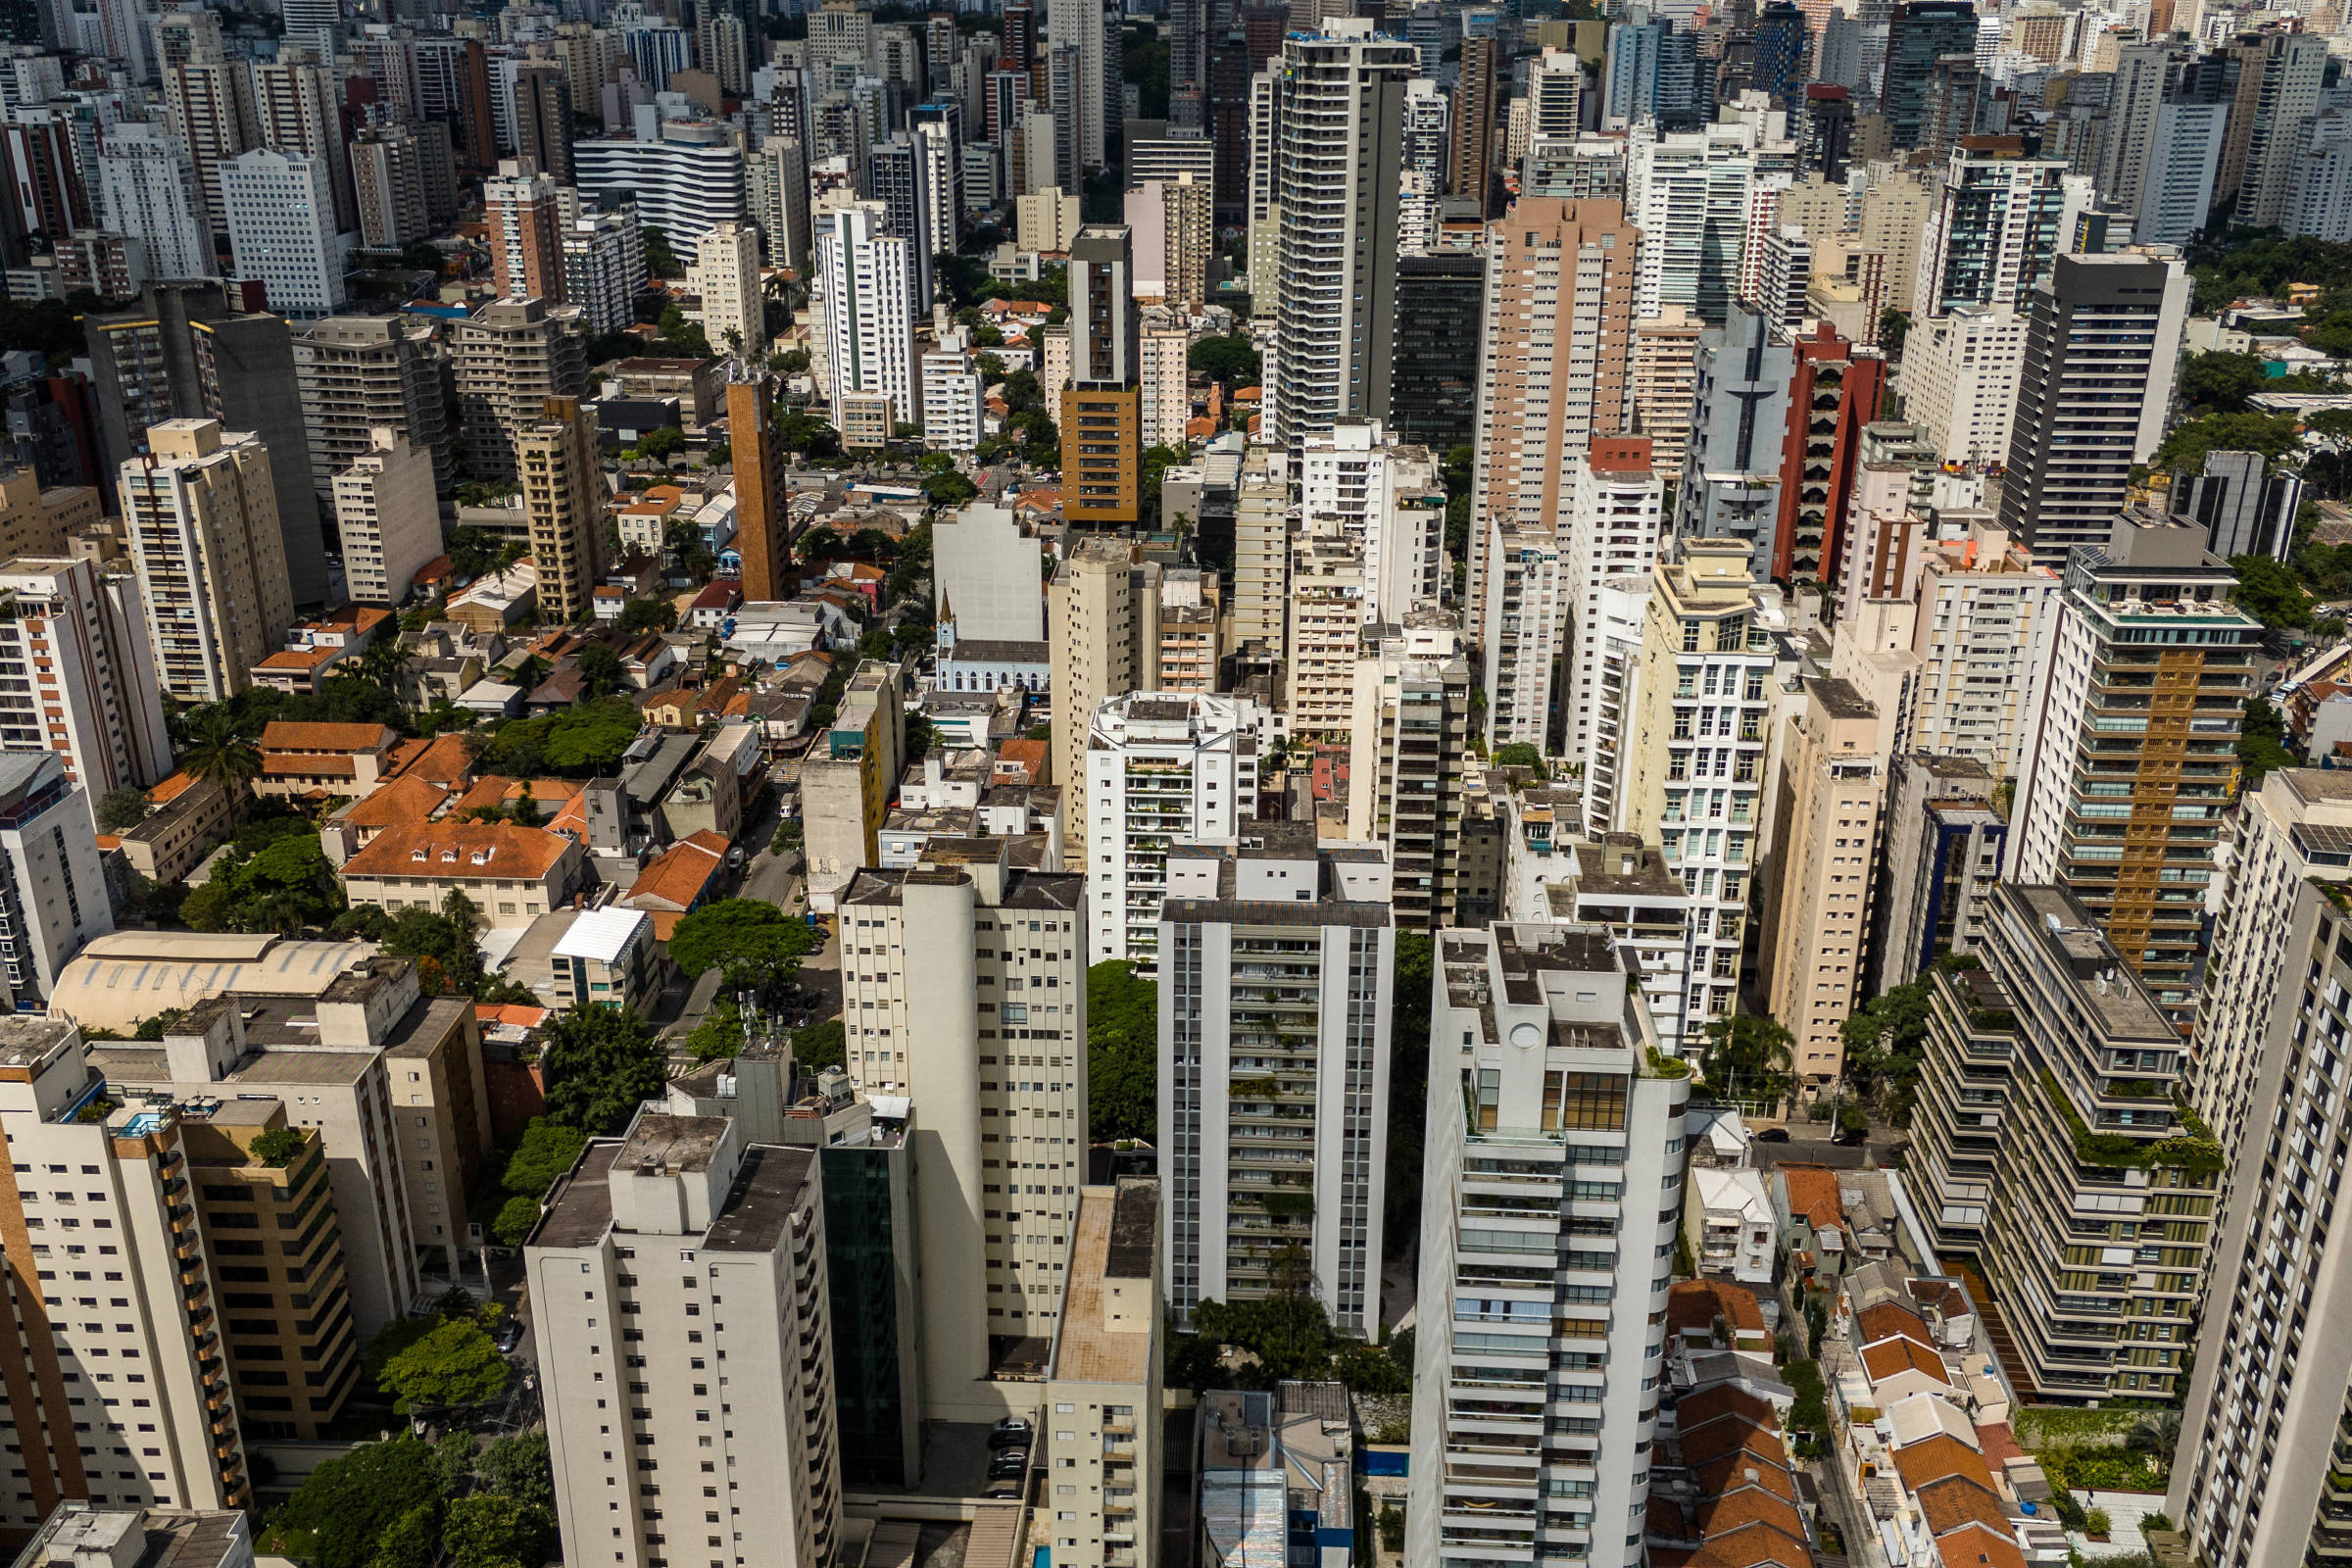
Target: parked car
x,y
1010,1432
1000,1492
1009,1467
1773,1135
510,1337
1850,1136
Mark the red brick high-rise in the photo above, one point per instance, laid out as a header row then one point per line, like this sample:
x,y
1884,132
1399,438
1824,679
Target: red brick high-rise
x,y
1834,394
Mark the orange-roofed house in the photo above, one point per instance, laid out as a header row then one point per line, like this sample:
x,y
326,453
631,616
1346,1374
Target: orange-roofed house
x,y
444,759
681,881
1889,1320
404,801
1021,760
498,792
1804,1199
513,874
1696,1307
328,646
1933,1458
186,815
1898,1369
299,758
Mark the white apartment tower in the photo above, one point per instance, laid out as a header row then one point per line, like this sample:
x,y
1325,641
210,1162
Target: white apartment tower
x,y
1361,481
53,894
1276,982
147,189
680,1310
389,517
201,516
1159,768
1325,632
1551,1187
1336,157
866,279
1982,637
171,1438
1689,193
1959,379
280,211
1617,526
963,983
726,274
90,691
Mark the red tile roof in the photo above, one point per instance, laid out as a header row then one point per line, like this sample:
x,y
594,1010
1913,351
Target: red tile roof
x,y
1894,1357
684,871
285,735
1890,1320
1933,1458
448,851
408,799
1693,1305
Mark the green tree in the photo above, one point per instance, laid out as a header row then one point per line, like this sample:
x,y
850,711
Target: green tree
x,y
749,943
122,809
2183,450
221,753
345,1507
476,552
453,1462
517,1467
658,258
1521,753
2220,383
1749,1057
277,1147
2269,592
1231,359
1122,1052
489,1530
600,670
950,489
599,1063
411,1540
455,1363
821,1046
2262,743
513,1224
1895,327
647,614
546,1151
809,435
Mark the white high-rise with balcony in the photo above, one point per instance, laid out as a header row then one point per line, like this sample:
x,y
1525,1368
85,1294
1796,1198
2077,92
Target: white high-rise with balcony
x,y
1158,768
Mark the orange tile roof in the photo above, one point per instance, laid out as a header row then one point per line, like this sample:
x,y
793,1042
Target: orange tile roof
x,y
108,841
1750,1506
309,657
513,1013
1999,1444
285,735
498,792
573,817
1956,1501
408,799
1894,1357
1890,1320
171,789
307,764
1979,1544
678,877
449,850
443,759
1813,1194
1695,1304
1933,1458
1764,1456
1755,1545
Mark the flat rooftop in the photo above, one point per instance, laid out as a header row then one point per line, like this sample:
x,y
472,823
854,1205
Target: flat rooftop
x,y
769,1185
1117,1231
2104,987
671,1144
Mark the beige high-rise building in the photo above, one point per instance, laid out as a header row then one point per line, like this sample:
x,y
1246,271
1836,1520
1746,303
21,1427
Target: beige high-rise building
x,y
526,220
1102,631
208,105
364,374
123,1175
963,983
389,518
1261,554
1327,617
89,692
511,357
36,520
1190,233
1558,343
1660,385
1101,1438
726,274
388,183
1165,379
1407,742
1896,209
1817,206
681,1312
564,502
1817,900
202,514
294,109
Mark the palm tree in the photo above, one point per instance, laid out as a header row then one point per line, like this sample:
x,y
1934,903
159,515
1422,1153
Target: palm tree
x,y
221,754
2157,1434
383,662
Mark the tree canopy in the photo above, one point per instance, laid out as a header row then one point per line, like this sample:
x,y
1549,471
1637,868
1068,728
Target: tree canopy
x,y
452,1363
1122,1052
121,809
495,1532
2220,383
2270,593
1751,1057
577,743
337,1515
1409,1085
287,886
751,943
1231,359
599,1062
2262,743
2184,450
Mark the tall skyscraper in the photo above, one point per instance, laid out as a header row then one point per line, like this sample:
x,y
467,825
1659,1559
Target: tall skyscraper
x,y
526,220
1102,409
281,229
727,276
2279,76
1833,396
1919,33
90,693
2125,773
941,951
1555,1095
125,1176
389,186
202,511
1692,195
148,190
294,109
1093,31
209,104
1473,160
182,351
1407,741
543,119
512,355
1334,145
762,524
1731,483
389,518
1103,635
746,1223
1558,335
564,502
1617,528
2005,219
605,267
362,374
1158,768
1278,965
2102,340
866,277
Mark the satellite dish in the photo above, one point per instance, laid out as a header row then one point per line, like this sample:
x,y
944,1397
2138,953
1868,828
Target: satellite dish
x,y
1526,1036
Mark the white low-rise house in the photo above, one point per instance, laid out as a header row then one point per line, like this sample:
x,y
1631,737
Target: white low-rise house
x,y
493,700
782,629
986,665
1727,1217
606,959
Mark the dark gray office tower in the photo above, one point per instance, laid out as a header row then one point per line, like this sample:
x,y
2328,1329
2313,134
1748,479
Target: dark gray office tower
x,y
2246,509
185,353
1828,131
1188,62
1433,387
1918,35
1731,486
2102,343
543,117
